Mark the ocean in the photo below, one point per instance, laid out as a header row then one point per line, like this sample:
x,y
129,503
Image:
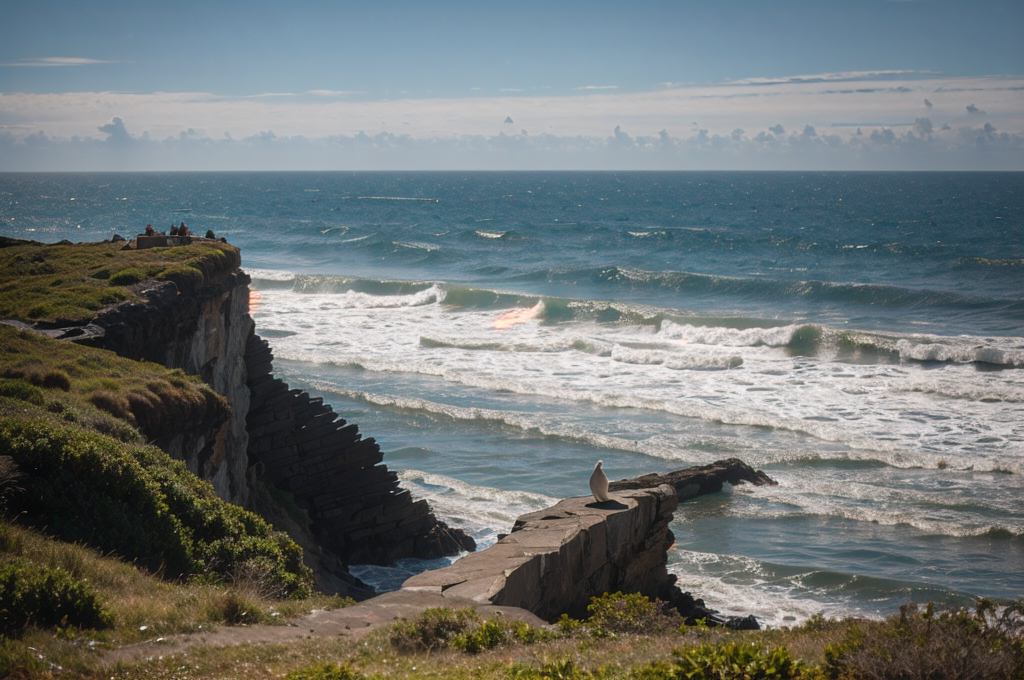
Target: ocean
x,y
858,336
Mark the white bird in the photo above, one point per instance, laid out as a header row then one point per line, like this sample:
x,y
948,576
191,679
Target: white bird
x,y
599,483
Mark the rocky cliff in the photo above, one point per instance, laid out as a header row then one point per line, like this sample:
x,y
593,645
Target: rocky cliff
x,y
356,505
275,434
203,333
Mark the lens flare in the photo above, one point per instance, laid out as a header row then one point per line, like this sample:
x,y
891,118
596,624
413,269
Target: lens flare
x,y
518,316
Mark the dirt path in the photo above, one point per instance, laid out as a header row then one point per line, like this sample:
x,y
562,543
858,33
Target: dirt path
x,y
349,622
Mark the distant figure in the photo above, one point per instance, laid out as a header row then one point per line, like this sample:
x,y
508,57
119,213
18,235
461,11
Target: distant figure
x,y
599,483
183,230
150,231
174,230
210,235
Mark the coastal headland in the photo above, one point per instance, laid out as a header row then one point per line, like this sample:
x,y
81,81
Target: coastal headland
x,y
141,418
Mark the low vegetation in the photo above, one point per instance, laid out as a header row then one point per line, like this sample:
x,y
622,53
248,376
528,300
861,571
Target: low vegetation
x,y
102,391
60,284
108,540
632,638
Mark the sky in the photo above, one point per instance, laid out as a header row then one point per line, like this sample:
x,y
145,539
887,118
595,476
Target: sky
x,y
684,85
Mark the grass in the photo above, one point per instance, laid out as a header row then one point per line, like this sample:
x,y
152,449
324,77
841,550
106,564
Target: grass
x,y
103,391
74,422
802,652
141,606
55,284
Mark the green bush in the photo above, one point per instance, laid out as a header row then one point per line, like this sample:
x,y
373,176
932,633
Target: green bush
x,y
739,661
431,629
34,596
494,632
461,629
562,669
127,277
16,388
615,614
325,672
235,609
920,645
136,502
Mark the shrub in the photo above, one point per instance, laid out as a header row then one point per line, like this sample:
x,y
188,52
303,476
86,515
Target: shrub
x,y
138,503
616,614
735,660
56,379
431,629
16,388
461,629
325,672
34,596
494,632
561,669
915,644
9,478
235,609
127,277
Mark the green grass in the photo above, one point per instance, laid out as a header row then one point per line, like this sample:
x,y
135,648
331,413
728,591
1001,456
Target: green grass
x,y
70,421
137,606
103,391
69,284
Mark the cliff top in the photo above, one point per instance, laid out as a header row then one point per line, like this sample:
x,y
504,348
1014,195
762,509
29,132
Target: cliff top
x,y
65,284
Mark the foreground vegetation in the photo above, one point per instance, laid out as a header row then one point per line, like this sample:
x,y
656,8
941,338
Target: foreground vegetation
x,y
632,640
65,284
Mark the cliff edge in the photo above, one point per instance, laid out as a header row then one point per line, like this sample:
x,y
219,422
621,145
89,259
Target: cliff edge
x,y
187,307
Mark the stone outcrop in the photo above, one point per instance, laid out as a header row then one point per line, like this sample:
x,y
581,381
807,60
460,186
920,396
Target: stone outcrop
x,y
554,560
698,481
355,504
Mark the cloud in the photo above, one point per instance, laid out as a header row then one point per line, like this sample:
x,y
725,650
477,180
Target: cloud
x,y
965,148
827,77
332,93
58,61
598,87
741,126
118,134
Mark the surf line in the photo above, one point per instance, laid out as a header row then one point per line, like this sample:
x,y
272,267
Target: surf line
x,y
396,198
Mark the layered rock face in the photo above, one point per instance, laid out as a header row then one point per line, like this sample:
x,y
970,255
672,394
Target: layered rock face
x,y
356,505
203,333
357,509
554,560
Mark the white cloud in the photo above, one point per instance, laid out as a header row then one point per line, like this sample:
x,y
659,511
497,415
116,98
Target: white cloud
x,y
598,87
828,77
58,61
875,122
332,93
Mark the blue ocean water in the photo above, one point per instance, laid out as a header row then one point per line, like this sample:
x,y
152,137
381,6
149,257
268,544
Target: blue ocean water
x,y
859,336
